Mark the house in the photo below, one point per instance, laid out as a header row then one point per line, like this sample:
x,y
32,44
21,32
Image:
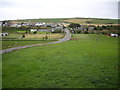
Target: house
x,y
33,30
3,34
15,25
5,23
91,28
59,28
40,24
44,30
114,35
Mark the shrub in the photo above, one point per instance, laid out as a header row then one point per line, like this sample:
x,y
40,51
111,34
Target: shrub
x,y
85,32
23,36
34,32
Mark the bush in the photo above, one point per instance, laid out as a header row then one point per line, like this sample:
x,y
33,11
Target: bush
x,y
34,32
23,36
85,32
46,37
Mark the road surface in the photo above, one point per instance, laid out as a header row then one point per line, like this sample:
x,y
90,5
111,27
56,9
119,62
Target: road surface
x,y
66,38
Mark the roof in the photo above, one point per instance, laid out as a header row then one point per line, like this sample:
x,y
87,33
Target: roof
x,y
44,30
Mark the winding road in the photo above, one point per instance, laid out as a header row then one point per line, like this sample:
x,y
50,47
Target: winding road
x,y
66,38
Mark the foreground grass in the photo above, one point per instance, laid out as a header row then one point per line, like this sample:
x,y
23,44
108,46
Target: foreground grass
x,y
87,61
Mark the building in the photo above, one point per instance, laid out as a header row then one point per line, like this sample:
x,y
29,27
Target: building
x,y
114,35
33,30
91,28
44,30
59,28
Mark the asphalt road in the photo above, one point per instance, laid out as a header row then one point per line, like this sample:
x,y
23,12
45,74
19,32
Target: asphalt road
x,y
66,38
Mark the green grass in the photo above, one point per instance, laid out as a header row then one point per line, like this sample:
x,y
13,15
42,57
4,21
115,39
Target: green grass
x,y
105,21
21,31
15,40
61,20
49,20
78,63
12,36
11,44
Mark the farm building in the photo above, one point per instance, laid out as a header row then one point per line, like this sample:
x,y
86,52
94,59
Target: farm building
x,y
3,34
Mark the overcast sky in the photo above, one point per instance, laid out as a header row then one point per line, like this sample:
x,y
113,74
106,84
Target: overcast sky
x,y
27,9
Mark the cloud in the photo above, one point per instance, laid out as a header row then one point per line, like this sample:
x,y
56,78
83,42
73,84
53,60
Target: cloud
x,y
18,9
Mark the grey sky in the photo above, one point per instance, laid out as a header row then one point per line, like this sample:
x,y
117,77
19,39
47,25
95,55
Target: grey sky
x,y
26,9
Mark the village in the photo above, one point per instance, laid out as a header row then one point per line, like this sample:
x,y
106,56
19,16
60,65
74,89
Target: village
x,y
47,27
47,44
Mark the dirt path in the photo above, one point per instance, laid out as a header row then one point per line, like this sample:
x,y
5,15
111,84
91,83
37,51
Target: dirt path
x,y
66,38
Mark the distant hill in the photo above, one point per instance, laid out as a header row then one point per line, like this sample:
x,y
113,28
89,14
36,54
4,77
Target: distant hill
x,y
73,20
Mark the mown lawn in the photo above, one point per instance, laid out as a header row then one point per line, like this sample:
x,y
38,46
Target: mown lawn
x,y
86,61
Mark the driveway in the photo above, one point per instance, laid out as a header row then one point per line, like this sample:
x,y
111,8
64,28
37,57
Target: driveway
x,y
66,38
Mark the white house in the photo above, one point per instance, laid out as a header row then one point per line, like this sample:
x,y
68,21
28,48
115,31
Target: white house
x,y
114,35
3,34
39,24
33,30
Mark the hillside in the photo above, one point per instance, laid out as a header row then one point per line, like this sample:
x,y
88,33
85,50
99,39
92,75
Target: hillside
x,y
73,20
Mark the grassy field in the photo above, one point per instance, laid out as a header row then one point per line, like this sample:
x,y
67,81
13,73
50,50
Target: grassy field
x,y
34,36
86,61
41,36
11,44
49,20
94,21
15,40
73,20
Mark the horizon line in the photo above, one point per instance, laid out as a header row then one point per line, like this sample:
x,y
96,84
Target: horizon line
x,y
57,18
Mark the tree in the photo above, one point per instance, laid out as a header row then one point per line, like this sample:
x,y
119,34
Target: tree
x,y
23,36
88,22
74,25
46,37
34,32
85,32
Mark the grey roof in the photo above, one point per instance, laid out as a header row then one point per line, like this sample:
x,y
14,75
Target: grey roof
x,y
44,30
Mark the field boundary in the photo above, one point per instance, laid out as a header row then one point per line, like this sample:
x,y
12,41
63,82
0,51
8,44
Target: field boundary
x,y
66,38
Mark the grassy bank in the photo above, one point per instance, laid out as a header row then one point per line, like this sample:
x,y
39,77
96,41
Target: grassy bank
x,y
86,61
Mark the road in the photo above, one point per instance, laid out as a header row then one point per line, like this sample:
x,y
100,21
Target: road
x,y
66,38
